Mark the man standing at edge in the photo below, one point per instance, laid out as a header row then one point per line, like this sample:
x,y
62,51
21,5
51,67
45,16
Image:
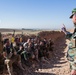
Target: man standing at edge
x,y
71,53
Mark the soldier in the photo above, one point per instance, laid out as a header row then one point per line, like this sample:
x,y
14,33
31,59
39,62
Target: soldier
x,y
71,53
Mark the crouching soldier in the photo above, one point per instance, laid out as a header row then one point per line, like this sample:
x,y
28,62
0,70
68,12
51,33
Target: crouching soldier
x,y
7,50
11,57
7,53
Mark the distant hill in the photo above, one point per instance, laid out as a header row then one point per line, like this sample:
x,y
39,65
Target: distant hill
x,y
8,30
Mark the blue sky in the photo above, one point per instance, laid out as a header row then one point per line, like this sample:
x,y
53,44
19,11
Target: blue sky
x,y
46,14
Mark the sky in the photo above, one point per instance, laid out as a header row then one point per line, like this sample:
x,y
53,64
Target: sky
x,y
41,14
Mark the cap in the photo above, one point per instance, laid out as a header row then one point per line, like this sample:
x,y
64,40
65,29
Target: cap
x,y
73,12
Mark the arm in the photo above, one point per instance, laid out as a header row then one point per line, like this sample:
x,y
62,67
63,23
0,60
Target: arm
x,y
67,33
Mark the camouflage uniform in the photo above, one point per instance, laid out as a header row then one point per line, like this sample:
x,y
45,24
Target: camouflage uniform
x,y
71,53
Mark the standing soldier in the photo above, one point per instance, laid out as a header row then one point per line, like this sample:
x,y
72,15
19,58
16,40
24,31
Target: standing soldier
x,y
71,53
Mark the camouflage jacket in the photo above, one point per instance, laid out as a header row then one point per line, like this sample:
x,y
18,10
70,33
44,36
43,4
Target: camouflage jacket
x,y
71,53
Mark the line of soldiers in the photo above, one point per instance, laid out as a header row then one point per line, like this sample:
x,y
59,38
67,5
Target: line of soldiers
x,y
21,52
